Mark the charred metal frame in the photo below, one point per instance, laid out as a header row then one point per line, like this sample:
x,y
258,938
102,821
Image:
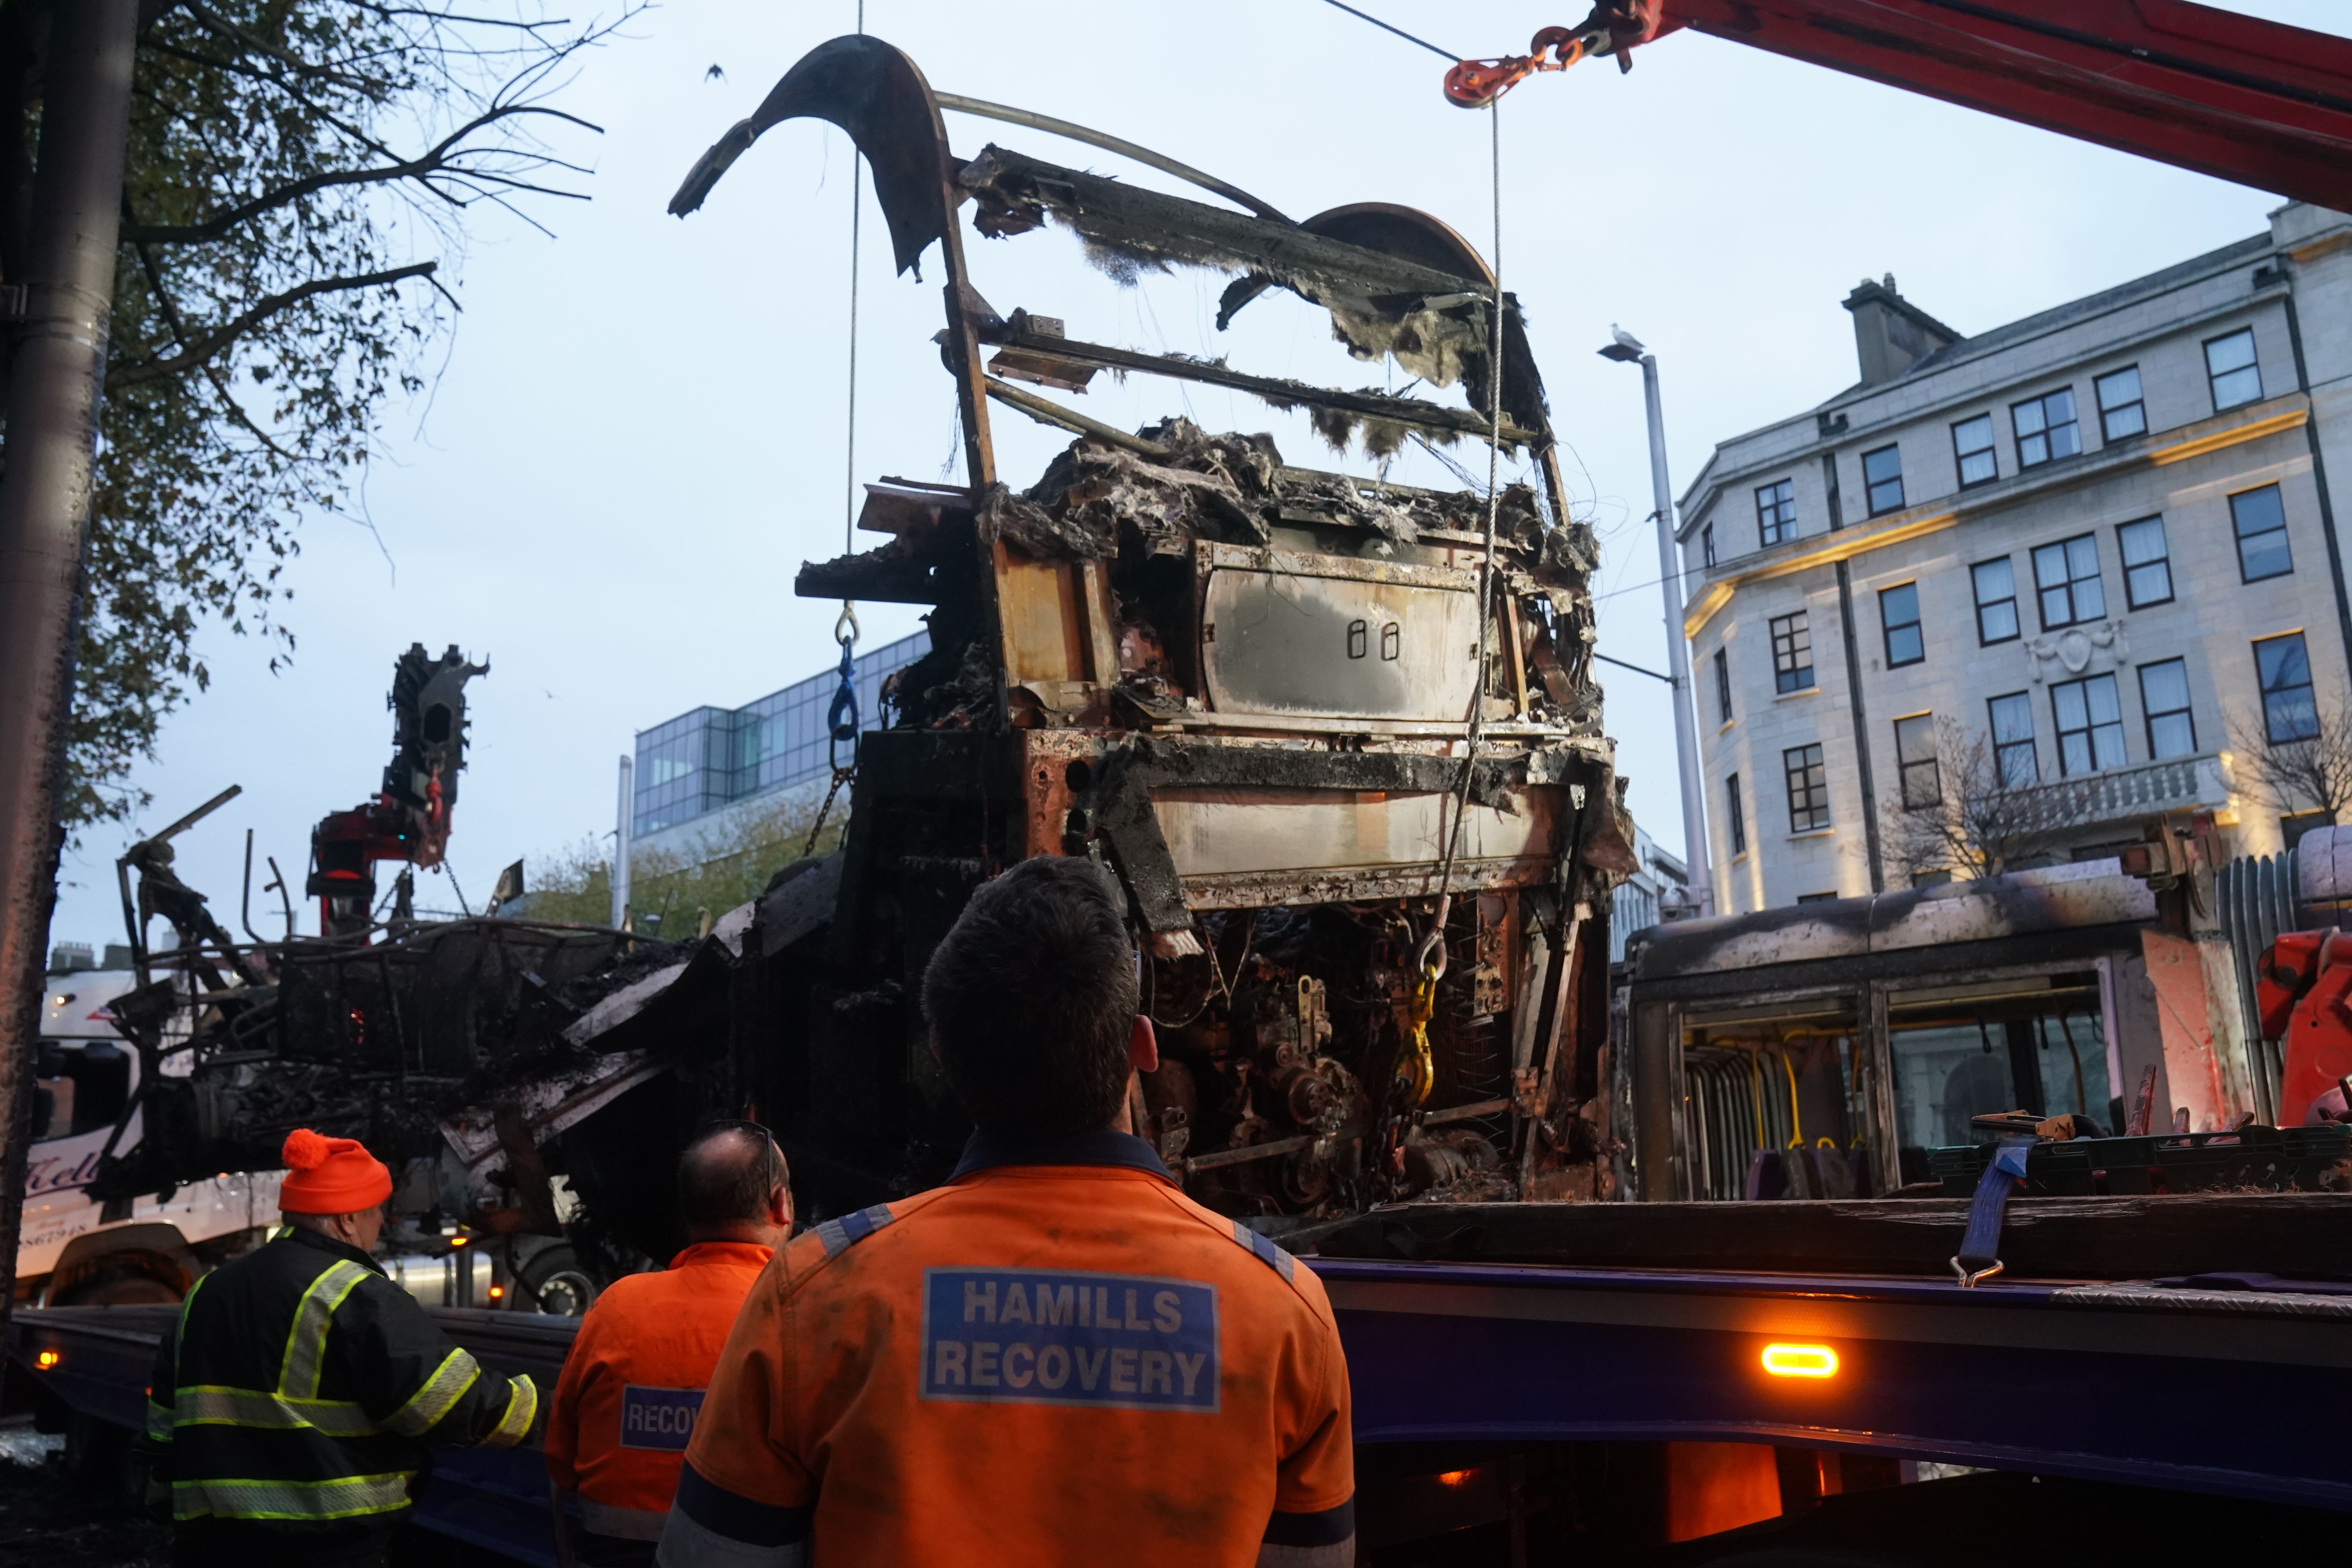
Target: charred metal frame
x,y
1072,754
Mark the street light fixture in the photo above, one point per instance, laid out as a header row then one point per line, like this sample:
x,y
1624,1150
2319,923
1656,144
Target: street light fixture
x,y
1626,349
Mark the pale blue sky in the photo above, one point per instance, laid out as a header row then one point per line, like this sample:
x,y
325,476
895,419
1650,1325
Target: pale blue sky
x,y
639,435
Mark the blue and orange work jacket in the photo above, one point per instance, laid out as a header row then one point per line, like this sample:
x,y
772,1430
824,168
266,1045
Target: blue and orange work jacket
x,y
1057,1360
625,1405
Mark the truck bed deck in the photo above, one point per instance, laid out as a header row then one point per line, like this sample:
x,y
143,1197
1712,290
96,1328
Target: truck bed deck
x,y
1524,1328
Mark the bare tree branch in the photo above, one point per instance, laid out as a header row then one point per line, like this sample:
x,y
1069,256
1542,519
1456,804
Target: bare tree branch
x,y
213,341
435,160
2313,773
1982,822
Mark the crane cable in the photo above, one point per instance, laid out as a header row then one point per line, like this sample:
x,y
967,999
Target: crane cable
x,y
1418,1072
842,720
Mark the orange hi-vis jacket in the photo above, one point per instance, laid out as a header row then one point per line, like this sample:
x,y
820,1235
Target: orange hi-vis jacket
x,y
1056,1359
626,1405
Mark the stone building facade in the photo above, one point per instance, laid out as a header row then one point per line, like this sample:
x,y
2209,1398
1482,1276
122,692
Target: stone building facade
x,y
2098,540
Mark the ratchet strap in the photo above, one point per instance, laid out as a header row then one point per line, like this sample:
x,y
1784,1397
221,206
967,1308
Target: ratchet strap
x,y
1980,1254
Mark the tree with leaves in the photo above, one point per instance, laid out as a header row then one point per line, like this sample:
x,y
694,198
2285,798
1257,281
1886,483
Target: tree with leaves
x,y
302,178
726,863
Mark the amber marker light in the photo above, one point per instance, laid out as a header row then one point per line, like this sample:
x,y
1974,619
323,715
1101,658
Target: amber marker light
x,y
46,1359
1801,1360
1453,1477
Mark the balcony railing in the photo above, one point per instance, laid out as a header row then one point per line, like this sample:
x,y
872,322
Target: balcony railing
x,y
2119,794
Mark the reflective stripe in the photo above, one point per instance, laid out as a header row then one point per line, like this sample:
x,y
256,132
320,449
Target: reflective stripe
x,y
306,1345
623,1523
345,1497
1341,1555
440,1395
159,1422
522,1407
687,1542
206,1405
180,1336
838,1235
1273,1257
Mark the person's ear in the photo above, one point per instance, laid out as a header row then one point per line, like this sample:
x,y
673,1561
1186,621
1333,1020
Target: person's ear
x,y
1143,1046
780,1207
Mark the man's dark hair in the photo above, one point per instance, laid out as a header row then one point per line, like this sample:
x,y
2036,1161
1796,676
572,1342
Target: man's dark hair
x,y
728,1175
1032,999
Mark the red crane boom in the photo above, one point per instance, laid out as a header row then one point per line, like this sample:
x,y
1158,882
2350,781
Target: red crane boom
x,y
2253,101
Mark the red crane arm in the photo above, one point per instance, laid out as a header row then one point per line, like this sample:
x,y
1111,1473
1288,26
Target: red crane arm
x,y
2245,100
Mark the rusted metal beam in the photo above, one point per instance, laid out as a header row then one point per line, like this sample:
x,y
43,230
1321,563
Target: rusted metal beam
x,y
1108,143
1045,411
1282,394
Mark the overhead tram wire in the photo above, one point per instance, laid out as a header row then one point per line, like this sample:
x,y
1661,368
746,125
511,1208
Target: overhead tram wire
x,y
1399,32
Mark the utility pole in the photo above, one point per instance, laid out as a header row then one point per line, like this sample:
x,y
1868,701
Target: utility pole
x,y
54,381
1626,347
623,831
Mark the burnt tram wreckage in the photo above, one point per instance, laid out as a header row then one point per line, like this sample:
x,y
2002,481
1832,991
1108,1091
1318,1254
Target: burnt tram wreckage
x,y
1336,741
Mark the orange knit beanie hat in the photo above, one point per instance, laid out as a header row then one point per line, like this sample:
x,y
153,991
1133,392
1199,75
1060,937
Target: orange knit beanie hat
x,y
331,1175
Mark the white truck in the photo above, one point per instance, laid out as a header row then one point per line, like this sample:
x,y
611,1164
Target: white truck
x,y
73,1250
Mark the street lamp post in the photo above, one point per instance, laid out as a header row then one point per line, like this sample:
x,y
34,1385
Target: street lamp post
x,y
1627,349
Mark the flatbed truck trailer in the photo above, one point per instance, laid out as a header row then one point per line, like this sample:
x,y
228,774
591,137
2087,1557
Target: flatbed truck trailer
x,y
1510,1410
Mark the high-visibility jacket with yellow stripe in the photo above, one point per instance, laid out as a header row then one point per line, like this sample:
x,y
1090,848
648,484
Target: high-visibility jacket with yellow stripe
x,y
301,1389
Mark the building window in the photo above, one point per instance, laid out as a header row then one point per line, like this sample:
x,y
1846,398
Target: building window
x,y
2261,521
1776,512
1972,444
2289,711
1809,788
2122,413
2229,364
2090,725
1817,898
1881,479
2147,563
2045,428
1735,816
1707,543
2067,574
1996,587
1723,684
1914,759
1898,613
1792,653
2164,698
2015,762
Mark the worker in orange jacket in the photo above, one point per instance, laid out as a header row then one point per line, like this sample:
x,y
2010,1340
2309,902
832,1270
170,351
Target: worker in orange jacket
x,y
631,1388
1055,1361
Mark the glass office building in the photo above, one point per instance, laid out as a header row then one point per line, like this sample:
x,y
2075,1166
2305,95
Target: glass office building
x,y
712,757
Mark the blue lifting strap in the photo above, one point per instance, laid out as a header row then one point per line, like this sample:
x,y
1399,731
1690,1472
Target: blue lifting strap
x,y
1980,1254
840,719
